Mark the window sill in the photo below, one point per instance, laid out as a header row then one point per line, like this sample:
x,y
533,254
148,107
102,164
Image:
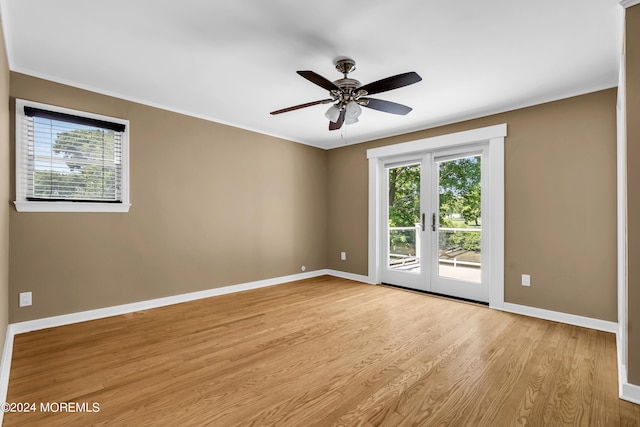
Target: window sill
x,y
71,207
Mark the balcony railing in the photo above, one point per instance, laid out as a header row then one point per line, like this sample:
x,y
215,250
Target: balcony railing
x,y
404,247
446,232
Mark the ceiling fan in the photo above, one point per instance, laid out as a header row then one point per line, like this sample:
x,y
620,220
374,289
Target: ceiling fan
x,y
348,95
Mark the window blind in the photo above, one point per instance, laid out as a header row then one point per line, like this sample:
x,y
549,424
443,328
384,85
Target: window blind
x,y
72,158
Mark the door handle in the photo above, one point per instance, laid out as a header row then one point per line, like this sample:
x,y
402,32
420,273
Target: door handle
x,y
423,222
433,222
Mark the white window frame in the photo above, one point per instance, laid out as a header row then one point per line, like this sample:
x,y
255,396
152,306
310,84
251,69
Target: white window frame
x,y
23,205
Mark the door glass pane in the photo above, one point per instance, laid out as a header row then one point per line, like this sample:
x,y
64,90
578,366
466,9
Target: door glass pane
x,y
460,230
404,217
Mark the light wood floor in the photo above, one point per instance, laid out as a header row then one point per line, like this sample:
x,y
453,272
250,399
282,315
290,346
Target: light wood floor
x,y
321,352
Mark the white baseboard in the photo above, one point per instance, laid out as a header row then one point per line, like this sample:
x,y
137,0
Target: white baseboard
x,y
100,313
556,316
626,391
349,276
631,393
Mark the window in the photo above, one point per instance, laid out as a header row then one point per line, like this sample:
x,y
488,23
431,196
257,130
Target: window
x,y
70,161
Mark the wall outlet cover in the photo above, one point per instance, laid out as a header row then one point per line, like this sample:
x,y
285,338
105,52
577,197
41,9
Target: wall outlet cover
x,y
25,299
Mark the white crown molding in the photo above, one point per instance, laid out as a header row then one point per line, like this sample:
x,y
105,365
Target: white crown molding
x,y
6,33
629,3
160,106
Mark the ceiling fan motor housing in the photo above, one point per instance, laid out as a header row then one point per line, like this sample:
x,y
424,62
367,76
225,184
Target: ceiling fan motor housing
x,y
345,65
348,87
347,84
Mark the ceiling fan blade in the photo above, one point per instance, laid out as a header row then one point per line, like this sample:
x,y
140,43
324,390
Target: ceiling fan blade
x,y
297,107
386,106
319,80
338,124
393,82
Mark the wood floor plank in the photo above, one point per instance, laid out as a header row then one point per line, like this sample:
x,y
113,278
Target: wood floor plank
x,y
320,352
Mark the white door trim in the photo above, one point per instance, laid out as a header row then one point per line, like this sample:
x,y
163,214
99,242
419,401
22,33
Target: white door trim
x,y
495,136
621,137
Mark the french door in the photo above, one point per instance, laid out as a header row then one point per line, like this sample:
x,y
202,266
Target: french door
x,y
406,200
432,225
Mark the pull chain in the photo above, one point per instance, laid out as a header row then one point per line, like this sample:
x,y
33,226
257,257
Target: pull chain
x,y
343,134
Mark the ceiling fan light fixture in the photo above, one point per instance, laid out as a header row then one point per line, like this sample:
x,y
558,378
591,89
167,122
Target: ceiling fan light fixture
x,y
353,111
350,120
332,113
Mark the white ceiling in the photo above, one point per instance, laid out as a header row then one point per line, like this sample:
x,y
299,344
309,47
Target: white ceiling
x,y
234,61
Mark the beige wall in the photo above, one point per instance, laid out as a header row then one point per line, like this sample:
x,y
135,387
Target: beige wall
x,y
633,190
247,206
5,166
560,203
212,205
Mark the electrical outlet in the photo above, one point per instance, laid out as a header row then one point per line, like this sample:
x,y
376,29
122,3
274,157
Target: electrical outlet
x,y
25,299
343,256
526,280
303,268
